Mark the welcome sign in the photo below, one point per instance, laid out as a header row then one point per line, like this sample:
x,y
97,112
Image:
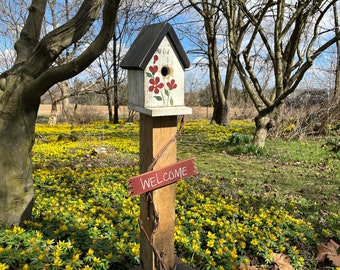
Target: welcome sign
x,y
159,178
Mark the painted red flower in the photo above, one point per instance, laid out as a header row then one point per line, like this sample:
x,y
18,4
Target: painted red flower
x,y
155,85
153,69
172,84
155,58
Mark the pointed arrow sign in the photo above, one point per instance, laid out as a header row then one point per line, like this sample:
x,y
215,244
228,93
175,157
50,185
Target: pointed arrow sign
x,y
159,178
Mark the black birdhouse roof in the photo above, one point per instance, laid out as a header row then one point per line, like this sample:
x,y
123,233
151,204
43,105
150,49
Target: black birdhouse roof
x,y
146,44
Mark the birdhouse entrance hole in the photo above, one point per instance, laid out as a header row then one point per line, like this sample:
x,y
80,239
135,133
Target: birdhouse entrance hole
x,y
165,71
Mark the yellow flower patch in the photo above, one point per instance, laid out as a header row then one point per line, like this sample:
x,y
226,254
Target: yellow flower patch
x,y
84,218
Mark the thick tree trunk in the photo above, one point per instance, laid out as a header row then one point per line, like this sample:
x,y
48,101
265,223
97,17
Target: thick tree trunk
x,y
17,122
221,113
262,124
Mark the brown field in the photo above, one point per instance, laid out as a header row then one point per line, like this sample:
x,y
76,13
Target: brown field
x,y
198,112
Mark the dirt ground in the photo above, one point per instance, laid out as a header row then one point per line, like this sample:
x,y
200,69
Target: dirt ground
x,y
198,112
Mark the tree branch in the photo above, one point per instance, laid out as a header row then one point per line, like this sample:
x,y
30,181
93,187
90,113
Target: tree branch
x,y
52,45
30,34
74,67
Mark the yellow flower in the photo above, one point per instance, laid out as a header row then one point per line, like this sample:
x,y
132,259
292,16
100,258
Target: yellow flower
x,y
213,263
135,250
295,250
273,237
18,230
196,235
25,267
195,245
254,242
75,258
64,228
96,260
87,268
39,234
233,253
3,266
246,261
57,261
108,256
210,243
221,241
211,235
219,251
184,240
90,252
243,245
282,249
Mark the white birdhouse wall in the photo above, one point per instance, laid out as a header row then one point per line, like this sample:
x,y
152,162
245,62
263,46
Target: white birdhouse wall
x,y
164,78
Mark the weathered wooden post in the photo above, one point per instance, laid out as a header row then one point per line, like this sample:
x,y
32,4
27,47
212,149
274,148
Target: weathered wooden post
x,y
156,62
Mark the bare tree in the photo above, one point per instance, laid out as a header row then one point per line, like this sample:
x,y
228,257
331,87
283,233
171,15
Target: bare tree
x,y
33,73
210,12
285,37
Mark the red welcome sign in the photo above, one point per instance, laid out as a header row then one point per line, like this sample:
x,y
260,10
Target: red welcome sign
x,y
159,178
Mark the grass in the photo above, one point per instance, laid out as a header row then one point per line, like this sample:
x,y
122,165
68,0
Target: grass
x,y
289,168
306,171
245,203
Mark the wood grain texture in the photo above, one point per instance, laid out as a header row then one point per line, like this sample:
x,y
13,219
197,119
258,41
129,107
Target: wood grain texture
x,y
157,208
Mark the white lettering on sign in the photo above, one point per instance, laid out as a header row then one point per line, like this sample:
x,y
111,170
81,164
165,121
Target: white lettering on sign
x,y
180,173
165,177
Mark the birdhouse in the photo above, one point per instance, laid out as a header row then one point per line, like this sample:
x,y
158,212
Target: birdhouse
x,y
156,62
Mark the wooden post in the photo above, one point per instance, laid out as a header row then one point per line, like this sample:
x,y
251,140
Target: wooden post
x,y
157,208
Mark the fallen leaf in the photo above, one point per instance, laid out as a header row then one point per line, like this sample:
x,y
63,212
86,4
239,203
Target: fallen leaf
x,y
282,261
329,251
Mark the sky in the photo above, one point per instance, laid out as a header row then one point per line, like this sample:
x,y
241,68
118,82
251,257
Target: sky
x,y
196,76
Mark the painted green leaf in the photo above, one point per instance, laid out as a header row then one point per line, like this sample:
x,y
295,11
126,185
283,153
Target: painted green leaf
x,y
149,74
159,98
167,92
171,102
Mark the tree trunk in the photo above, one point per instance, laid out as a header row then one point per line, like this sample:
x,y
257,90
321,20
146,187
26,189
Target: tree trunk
x,y
115,81
209,12
17,122
262,124
116,114
65,100
52,120
221,113
109,104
